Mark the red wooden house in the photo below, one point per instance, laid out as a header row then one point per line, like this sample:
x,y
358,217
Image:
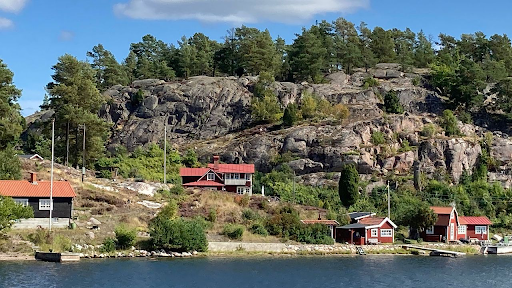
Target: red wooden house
x,y
235,178
367,230
474,227
446,227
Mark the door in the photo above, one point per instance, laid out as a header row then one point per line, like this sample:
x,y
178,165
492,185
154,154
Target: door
x,y
452,232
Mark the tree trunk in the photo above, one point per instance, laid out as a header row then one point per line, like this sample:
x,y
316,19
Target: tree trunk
x,y
67,144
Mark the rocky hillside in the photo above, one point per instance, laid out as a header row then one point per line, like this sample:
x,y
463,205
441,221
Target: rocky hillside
x,y
212,115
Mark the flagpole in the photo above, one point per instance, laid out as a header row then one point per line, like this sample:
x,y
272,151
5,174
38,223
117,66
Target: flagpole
x,y
389,204
51,175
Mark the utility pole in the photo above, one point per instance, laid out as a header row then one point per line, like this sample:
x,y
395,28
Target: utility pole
x,y
67,144
51,175
165,151
83,154
389,204
294,199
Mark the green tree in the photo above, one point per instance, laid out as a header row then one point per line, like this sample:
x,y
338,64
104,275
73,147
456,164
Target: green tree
x,y
291,114
10,166
10,211
382,45
423,52
416,214
108,71
11,121
392,103
503,91
367,56
307,56
450,124
467,89
76,101
348,188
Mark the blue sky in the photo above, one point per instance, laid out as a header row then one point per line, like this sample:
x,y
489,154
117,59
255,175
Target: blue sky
x,y
34,33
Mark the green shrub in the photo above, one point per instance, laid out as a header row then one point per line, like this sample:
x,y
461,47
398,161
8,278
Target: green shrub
x,y
177,190
212,216
109,245
178,234
125,237
250,215
233,231
392,103
291,115
378,138
405,147
465,117
137,98
258,228
429,130
416,81
107,174
370,82
450,123
62,244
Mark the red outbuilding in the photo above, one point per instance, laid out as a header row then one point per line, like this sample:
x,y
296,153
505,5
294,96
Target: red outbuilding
x,y
446,227
474,227
367,230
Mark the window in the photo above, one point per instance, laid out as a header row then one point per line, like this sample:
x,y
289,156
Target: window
x,y
462,229
44,204
210,176
237,176
480,229
23,202
248,177
247,190
386,233
430,230
227,176
240,190
375,232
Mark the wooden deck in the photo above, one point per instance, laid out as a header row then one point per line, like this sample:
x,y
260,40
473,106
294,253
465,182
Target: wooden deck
x,y
435,252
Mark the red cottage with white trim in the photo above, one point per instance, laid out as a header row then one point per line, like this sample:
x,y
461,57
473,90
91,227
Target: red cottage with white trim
x,y
235,178
446,227
366,229
474,227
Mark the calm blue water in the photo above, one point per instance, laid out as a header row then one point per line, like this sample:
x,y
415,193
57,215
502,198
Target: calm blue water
x,y
369,271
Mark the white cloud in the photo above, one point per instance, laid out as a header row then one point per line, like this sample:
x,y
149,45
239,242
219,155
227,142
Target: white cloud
x,y
13,6
235,11
5,23
66,35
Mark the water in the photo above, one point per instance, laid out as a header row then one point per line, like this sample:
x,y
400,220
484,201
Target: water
x,y
362,271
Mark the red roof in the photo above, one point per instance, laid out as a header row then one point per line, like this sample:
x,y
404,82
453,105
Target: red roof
x,y
23,188
193,171
204,183
325,222
470,220
371,220
233,168
442,210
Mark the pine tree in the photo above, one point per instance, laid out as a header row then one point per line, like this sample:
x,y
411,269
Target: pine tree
x,y
76,100
348,187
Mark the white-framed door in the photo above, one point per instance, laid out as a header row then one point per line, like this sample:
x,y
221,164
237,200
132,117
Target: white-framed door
x,y
452,232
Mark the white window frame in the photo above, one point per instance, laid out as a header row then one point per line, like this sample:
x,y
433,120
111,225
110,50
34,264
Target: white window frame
x,y
237,176
45,205
462,229
480,230
374,233
240,190
386,232
247,190
210,176
248,177
430,230
227,176
21,201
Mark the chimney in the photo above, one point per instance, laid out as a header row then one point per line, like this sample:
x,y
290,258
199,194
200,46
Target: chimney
x,y
216,162
319,217
33,177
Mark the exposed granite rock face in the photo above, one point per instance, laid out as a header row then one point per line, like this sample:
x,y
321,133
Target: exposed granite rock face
x,y
212,115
